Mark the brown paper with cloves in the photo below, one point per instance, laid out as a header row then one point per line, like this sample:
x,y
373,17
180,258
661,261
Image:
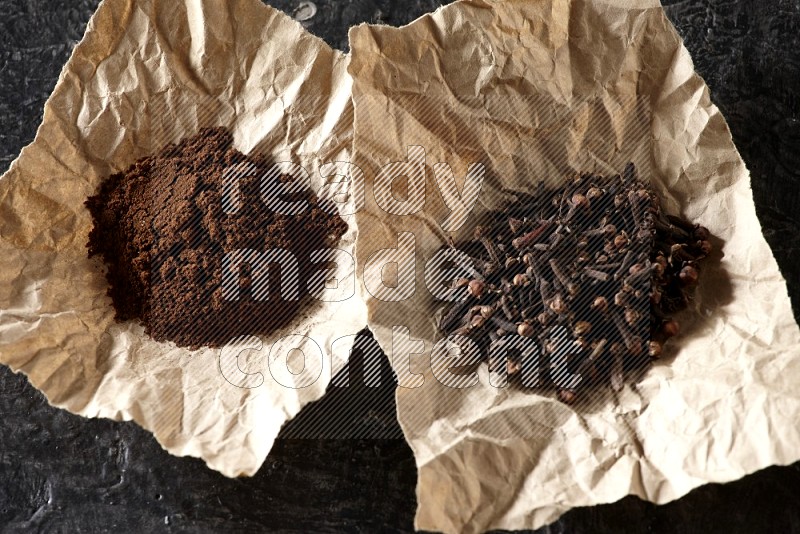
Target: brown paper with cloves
x,y
534,90
541,90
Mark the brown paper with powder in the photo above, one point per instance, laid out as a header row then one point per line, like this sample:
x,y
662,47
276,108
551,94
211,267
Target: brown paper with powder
x,y
538,90
148,73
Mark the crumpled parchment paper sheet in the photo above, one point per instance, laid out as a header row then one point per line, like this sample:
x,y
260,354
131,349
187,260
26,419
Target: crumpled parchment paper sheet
x,y
147,73
485,80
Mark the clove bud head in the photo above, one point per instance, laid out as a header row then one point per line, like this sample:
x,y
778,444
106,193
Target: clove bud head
x,y
600,304
670,328
526,330
688,275
521,279
582,328
593,193
487,311
655,349
580,201
528,259
558,305
567,396
631,316
460,282
476,288
701,233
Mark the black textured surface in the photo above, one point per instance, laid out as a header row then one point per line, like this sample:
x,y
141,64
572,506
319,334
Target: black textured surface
x,y
62,473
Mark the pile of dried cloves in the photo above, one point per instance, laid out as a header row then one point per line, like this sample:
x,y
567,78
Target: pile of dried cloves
x,y
596,256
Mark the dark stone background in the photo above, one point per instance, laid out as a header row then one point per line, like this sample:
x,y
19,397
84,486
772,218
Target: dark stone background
x,y
63,473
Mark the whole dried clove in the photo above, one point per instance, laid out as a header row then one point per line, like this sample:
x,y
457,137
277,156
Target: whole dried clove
x,y
508,326
560,276
530,238
597,275
456,315
490,247
627,260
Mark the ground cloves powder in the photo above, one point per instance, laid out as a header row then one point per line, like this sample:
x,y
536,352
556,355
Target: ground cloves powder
x,y
161,229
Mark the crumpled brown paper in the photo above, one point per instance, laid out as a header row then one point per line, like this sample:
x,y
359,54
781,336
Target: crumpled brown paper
x,y
485,80
148,73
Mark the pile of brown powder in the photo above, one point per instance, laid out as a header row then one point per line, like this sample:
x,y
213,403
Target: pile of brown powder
x,y
162,232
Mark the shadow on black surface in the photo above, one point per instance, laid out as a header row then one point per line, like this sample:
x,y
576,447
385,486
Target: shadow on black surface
x,y
359,403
